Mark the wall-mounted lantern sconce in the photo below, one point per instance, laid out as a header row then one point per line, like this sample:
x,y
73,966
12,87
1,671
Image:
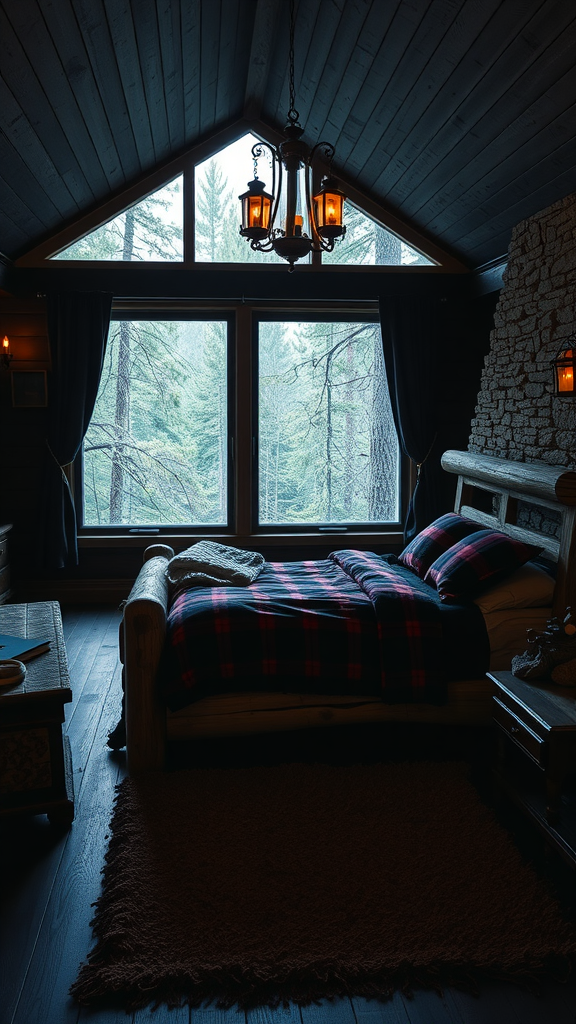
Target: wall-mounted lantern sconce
x,y
565,370
6,355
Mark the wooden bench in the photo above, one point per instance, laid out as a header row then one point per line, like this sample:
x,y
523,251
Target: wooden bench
x,y
35,761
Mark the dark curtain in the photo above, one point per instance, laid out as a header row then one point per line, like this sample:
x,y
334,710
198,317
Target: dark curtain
x,y
78,329
420,319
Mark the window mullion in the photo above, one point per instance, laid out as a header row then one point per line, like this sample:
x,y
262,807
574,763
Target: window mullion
x,y
243,438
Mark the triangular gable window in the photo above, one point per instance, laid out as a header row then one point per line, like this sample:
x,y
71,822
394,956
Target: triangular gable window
x,y
149,230
153,228
368,244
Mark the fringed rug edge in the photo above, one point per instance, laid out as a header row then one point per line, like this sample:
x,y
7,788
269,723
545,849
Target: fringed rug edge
x,y
247,992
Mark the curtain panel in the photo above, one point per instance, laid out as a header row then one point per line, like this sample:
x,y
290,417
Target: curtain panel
x,y
428,335
78,326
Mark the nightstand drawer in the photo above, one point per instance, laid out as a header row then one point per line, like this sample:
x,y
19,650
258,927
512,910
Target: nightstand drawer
x,y
520,733
3,552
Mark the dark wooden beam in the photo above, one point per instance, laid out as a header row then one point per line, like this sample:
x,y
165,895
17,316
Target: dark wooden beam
x,y
228,282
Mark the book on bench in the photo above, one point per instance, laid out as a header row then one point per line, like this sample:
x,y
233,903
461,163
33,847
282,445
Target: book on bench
x,y
18,648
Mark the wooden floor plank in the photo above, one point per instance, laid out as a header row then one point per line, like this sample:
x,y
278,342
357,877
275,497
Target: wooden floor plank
x,y
329,1012
119,1016
98,653
97,709
31,854
73,622
492,1004
82,630
264,1015
64,938
370,1011
427,1007
212,1015
555,1003
180,1015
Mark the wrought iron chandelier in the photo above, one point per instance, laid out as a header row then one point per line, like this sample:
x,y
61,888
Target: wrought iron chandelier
x,y
324,206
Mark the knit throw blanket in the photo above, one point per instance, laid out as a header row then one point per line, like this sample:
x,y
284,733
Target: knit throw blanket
x,y
208,564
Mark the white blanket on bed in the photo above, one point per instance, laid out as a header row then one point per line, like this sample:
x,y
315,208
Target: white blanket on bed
x,y
208,564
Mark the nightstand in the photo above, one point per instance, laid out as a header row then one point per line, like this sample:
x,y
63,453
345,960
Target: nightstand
x,y
537,753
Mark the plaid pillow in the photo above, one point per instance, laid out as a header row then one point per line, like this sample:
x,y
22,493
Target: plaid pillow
x,y
430,543
477,561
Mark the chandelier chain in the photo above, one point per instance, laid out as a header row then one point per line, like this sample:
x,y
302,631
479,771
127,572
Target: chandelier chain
x,y
293,114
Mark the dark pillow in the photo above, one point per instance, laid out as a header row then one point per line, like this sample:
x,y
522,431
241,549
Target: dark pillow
x,y
430,543
477,561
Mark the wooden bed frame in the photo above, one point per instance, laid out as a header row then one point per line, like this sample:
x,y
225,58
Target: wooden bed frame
x,y
484,482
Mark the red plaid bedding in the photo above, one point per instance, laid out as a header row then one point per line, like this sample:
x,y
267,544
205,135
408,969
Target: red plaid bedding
x,y
349,624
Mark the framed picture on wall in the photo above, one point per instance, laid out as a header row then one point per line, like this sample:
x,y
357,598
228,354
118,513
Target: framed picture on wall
x,y
29,389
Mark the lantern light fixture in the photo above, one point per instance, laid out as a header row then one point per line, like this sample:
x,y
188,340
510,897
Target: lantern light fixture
x,y
565,370
324,205
6,355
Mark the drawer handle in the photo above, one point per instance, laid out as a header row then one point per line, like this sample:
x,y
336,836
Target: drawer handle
x,y
514,729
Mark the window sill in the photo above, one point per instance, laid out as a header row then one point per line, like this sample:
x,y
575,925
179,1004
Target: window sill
x,y
361,538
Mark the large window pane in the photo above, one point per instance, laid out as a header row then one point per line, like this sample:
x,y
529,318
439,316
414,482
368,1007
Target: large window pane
x,y
327,447
156,449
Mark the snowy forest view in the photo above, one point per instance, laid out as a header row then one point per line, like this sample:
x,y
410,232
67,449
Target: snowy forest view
x,y
157,449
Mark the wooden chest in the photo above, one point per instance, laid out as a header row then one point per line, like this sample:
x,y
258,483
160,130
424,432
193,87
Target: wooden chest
x,y
35,762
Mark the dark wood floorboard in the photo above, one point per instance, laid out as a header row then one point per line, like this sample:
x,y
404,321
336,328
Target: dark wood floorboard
x,y
53,878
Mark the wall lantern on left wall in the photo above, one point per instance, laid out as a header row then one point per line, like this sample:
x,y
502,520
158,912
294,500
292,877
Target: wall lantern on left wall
x,y
5,354
565,370
26,359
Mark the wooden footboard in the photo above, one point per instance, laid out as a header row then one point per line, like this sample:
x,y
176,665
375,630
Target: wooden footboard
x,y
143,633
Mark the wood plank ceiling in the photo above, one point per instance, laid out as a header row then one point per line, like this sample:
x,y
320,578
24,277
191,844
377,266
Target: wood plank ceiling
x,y
458,116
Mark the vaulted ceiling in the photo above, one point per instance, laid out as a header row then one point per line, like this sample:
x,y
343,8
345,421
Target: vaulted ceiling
x,y
457,117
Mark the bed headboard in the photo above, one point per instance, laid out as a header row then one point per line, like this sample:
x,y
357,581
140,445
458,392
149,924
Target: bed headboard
x,y
489,492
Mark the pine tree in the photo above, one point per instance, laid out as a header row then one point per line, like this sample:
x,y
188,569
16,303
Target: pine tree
x,y
212,204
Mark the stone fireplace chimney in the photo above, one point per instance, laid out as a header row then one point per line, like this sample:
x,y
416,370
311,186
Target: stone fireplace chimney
x,y
517,415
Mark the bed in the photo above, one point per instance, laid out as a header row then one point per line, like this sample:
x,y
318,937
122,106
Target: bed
x,y
531,503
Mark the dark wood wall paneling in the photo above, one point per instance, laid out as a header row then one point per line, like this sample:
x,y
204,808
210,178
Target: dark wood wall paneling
x,y
23,432
465,344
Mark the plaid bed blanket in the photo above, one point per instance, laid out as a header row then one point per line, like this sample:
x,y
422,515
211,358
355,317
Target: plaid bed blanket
x,y
348,624
351,624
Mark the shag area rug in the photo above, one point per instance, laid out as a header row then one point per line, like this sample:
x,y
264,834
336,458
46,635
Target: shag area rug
x,y
298,882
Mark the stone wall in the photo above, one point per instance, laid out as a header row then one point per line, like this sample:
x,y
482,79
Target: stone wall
x,y
517,416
